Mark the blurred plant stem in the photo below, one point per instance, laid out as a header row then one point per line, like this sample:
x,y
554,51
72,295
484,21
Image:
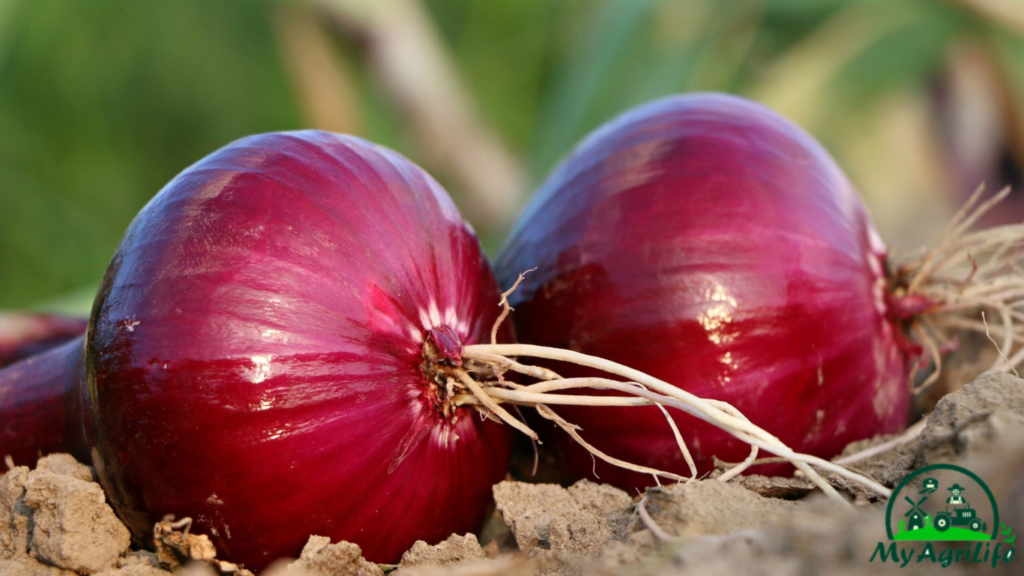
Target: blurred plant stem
x,y
797,83
1010,93
6,10
412,65
324,87
892,150
1006,13
589,71
980,115
721,58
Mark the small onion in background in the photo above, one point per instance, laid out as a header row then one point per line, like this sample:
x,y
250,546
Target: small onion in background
x,y
709,242
23,334
46,353
40,410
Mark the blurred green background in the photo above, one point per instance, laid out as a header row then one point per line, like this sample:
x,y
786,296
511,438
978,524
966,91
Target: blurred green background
x,y
103,101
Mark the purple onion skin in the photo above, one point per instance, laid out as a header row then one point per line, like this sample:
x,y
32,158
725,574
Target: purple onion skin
x,y
24,334
254,354
40,411
40,364
708,241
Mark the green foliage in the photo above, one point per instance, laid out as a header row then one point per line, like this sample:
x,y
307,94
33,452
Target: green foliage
x,y
103,101
921,40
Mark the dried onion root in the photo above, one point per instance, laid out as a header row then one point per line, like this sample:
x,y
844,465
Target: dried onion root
x,y
480,383
951,286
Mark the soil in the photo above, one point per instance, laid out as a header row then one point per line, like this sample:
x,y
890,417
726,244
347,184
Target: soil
x,y
54,520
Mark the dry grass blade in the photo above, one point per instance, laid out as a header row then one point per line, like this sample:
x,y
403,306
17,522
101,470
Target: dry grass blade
x,y
1006,13
413,66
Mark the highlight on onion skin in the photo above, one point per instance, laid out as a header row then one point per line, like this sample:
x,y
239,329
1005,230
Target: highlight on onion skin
x,y
709,242
24,334
261,355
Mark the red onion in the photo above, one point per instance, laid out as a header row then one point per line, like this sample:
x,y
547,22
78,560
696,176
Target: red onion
x,y
264,354
24,334
709,242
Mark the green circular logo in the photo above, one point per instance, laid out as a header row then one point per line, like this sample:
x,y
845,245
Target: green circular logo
x,y
942,502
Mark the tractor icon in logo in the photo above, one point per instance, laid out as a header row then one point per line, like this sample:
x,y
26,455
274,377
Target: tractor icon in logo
x,y
959,516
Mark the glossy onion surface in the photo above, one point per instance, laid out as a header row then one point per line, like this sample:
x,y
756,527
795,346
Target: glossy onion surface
x,y
255,355
709,242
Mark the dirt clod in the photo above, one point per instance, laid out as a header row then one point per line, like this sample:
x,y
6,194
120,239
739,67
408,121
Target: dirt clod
x,y
14,515
27,566
455,549
819,538
321,558
74,528
598,498
510,565
547,517
65,465
876,465
776,486
960,423
712,507
136,564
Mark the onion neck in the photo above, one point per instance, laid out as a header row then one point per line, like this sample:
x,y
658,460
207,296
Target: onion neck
x,y
40,405
947,290
442,360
